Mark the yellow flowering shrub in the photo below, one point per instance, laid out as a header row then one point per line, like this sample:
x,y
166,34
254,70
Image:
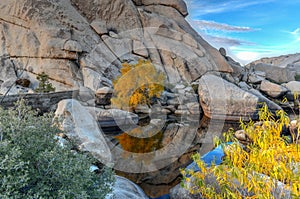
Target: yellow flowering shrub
x,y
267,167
138,84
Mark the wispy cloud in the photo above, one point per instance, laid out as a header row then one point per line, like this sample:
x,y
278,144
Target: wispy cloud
x,y
204,25
219,6
296,32
221,41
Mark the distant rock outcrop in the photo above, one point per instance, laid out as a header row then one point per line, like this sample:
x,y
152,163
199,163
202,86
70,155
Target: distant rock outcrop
x,y
280,69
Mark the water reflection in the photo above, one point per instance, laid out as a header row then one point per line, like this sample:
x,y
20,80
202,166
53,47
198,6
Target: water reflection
x,y
154,162
140,145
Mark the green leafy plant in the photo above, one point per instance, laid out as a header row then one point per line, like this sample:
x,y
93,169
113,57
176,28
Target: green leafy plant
x,y
34,165
297,77
266,167
44,85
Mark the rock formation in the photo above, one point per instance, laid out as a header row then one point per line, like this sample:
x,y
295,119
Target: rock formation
x,y
280,69
83,43
81,46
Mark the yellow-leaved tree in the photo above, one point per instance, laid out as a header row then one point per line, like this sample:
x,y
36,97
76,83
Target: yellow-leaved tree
x,y
267,167
138,84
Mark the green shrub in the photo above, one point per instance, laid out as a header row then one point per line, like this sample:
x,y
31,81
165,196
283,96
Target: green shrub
x,y
260,167
297,77
34,165
44,85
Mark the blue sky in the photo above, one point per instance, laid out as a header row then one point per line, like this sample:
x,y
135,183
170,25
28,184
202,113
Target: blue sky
x,y
248,29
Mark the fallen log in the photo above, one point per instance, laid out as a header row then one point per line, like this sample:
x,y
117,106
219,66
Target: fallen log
x,y
44,102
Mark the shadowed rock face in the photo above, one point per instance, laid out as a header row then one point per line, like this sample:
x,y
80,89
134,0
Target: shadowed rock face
x,y
82,43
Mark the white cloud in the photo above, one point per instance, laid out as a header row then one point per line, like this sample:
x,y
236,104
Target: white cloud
x,y
205,25
221,41
219,6
296,32
247,56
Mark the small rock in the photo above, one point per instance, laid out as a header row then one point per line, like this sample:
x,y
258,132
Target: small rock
x,y
140,49
171,108
255,79
113,34
179,86
166,111
73,46
272,89
242,136
260,73
103,96
142,109
182,112
174,102
23,82
99,26
244,86
293,86
222,51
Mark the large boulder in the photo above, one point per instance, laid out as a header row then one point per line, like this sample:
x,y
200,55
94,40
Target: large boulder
x,y
271,89
293,86
81,127
275,73
222,100
124,188
273,107
83,44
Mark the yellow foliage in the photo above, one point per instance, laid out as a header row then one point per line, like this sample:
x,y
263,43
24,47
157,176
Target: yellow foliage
x,y
258,168
140,145
138,84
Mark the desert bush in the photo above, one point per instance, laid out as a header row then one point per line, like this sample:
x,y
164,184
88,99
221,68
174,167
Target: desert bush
x,y
44,85
138,84
34,165
297,77
267,167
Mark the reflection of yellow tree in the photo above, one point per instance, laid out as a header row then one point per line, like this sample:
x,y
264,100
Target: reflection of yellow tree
x,y
139,145
138,84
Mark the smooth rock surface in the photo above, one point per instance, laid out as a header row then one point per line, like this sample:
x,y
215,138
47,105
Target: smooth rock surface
x,y
222,100
271,89
275,73
83,44
124,188
293,86
82,127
